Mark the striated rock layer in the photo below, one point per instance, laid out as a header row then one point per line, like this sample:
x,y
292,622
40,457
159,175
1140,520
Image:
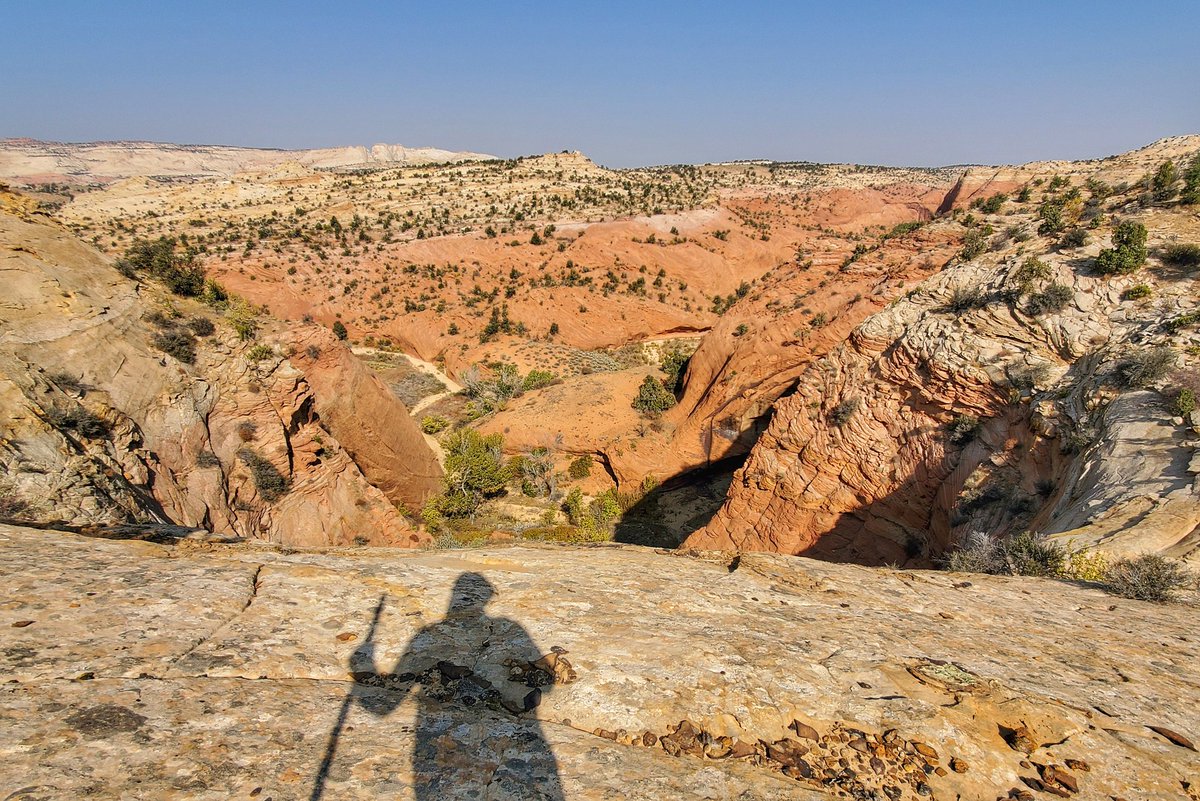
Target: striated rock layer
x,y
97,425
862,463
202,671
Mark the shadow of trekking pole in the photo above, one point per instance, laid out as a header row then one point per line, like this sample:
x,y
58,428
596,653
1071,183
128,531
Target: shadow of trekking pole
x,y
331,748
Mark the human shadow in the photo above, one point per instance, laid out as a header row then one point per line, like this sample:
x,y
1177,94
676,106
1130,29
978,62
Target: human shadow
x,y
474,677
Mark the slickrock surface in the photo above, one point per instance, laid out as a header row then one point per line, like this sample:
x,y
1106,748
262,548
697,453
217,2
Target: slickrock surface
x,y
136,670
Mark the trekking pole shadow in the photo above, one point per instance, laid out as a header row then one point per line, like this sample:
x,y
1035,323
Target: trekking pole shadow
x,y
331,747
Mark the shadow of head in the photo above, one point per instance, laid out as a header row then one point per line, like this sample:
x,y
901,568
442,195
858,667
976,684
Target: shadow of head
x,y
471,594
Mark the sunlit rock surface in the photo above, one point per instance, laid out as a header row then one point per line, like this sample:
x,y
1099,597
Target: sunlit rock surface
x,y
200,670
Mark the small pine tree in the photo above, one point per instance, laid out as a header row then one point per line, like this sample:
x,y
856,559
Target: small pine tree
x,y
339,330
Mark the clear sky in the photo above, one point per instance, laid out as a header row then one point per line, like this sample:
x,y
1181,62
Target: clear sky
x,y
628,83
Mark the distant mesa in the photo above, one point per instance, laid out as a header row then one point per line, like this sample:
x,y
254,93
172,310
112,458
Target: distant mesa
x,y
25,160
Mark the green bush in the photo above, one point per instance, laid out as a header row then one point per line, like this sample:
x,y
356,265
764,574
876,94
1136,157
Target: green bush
x,y
475,471
431,424
1128,252
975,242
1137,292
339,330
965,298
268,481
536,379
259,352
1191,183
1164,180
674,363
158,259
1053,298
1074,238
1149,577
1184,402
580,467
653,398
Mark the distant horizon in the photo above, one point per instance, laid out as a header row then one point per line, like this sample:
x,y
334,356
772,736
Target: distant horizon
x,y
498,157
629,84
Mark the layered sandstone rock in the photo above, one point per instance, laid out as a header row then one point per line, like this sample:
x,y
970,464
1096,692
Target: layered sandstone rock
x,y
861,462
204,671
101,426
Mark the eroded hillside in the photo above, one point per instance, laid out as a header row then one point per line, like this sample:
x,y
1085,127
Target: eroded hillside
x,y
123,403
1026,386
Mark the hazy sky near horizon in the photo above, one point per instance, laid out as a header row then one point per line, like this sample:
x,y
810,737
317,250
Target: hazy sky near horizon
x,y
627,83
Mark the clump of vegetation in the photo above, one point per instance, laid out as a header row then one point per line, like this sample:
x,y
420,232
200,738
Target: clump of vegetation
x,y
1183,256
674,363
965,298
1145,368
207,459
992,204
259,352
1053,298
1025,554
975,242
1184,402
68,382
840,414
1164,180
653,398
580,467
1128,252
1137,292
339,330
475,471
1190,194
201,326
176,343
432,424
537,379
78,419
1149,577
1073,238
159,259
963,428
268,481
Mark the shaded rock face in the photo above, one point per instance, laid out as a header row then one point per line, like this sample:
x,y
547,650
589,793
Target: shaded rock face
x,y
937,417
100,426
207,671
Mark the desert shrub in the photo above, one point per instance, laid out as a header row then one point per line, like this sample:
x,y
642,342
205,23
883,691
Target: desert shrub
x,y
1149,577
1022,280
840,414
1164,180
603,512
975,242
247,431
1050,216
1027,376
67,382
1085,565
1053,298
159,259
243,317
992,204
79,420
432,424
1145,368
1128,252
339,329
1137,292
653,398
1184,402
1074,238
475,471
965,298
207,460
201,326
674,363
259,352
580,467
1191,183
962,429
179,344
1025,554
536,379
1180,255
268,481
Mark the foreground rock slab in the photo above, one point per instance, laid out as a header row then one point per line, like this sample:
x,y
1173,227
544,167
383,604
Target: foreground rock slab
x,y
202,670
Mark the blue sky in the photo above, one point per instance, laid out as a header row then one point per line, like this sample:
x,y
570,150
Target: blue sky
x,y
627,83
